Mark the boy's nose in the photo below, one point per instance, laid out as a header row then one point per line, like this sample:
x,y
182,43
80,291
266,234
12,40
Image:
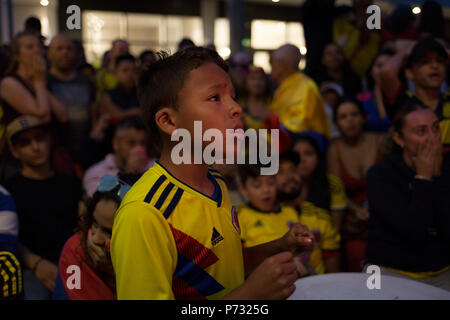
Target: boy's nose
x,y
236,110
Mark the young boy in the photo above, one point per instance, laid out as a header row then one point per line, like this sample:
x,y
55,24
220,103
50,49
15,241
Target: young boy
x,y
176,233
122,101
325,256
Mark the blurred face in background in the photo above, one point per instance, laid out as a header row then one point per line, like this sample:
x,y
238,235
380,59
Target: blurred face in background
x,y
331,98
288,181
61,53
419,127
126,73
349,120
256,83
119,48
125,140
103,219
309,159
380,61
429,71
333,57
32,147
29,47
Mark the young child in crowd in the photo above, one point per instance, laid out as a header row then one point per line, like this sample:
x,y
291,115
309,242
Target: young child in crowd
x,y
178,218
89,248
122,101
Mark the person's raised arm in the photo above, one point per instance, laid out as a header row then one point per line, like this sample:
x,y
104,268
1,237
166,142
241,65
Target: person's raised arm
x,y
15,94
389,73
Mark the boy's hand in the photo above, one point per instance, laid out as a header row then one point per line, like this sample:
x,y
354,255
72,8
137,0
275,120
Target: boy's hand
x,y
272,280
297,239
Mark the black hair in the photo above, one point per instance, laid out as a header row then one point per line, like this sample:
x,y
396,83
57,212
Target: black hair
x,y
383,52
145,53
124,57
184,43
352,100
247,171
319,192
131,122
398,123
160,84
33,24
290,155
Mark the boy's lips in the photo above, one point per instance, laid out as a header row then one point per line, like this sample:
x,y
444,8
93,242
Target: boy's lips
x,y
240,125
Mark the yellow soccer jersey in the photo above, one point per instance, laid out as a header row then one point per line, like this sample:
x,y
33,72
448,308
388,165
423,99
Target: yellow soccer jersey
x,y
259,227
170,241
337,193
327,237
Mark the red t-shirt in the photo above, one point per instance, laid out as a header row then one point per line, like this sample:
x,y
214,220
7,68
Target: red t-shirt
x,y
92,286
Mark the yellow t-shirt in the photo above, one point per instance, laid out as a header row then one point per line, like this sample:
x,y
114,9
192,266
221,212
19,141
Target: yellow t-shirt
x,y
337,193
327,237
170,241
298,104
260,227
360,55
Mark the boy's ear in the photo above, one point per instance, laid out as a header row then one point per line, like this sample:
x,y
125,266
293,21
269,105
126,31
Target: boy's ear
x,y
242,191
166,120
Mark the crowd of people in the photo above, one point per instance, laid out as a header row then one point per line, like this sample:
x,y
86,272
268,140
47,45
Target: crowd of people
x,y
364,141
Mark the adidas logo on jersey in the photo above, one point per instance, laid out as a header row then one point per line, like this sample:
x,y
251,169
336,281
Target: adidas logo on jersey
x,y
216,237
258,223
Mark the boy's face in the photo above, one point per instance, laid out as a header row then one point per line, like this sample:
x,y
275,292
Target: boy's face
x,y
126,74
261,192
32,147
208,96
429,71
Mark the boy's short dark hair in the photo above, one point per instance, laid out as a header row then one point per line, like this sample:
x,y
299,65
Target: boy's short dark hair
x,y
290,155
160,84
247,171
125,57
131,122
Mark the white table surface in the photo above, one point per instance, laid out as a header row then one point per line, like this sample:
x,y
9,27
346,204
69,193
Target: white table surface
x,y
353,286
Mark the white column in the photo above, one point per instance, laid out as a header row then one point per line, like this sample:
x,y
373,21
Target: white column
x,y
6,21
208,11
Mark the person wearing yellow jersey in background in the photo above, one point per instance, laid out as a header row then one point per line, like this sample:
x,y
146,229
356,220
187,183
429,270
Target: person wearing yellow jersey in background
x,y
106,78
325,258
262,219
297,100
176,233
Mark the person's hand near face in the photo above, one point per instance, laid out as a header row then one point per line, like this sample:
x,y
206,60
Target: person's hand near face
x,y
428,161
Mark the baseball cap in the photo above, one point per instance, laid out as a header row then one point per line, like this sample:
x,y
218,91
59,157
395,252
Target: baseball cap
x,y
423,46
21,124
